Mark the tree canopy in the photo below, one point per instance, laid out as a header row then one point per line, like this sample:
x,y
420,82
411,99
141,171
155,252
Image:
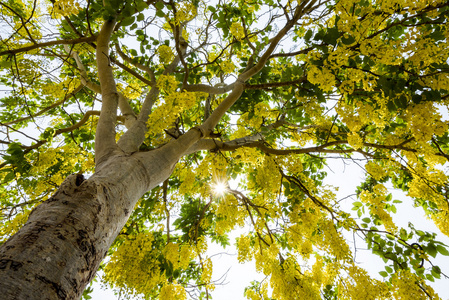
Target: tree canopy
x,y
276,89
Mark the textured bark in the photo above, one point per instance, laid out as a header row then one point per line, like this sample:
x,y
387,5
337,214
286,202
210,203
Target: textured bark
x,y
59,249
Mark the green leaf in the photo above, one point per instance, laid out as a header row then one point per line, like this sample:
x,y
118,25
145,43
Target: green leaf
x,y
140,17
128,21
308,35
442,250
357,204
331,36
393,209
436,271
383,274
390,237
160,13
389,269
141,5
401,102
431,250
347,39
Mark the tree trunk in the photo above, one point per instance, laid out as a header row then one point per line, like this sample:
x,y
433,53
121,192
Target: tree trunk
x,y
59,249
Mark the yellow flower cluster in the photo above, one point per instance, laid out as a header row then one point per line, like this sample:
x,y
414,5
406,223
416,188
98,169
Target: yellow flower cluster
x,y
201,245
375,170
174,103
131,91
165,54
441,220
227,66
424,121
288,282
66,158
262,112
358,114
133,260
185,11
355,140
172,291
427,183
406,285
360,286
237,31
267,179
322,77
260,294
333,241
167,83
9,228
230,214
59,90
244,248
63,8
179,255
187,177
206,274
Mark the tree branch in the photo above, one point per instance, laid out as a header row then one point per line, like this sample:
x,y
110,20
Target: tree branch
x,y
52,43
123,102
105,137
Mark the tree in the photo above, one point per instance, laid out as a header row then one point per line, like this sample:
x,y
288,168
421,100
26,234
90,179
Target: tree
x,y
173,99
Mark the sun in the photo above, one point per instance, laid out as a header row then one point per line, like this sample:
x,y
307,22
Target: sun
x,y
219,188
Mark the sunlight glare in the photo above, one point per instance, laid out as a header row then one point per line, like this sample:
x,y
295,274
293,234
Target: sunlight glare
x,y
219,188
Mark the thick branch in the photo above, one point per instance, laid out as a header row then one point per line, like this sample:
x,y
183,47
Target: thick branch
x,y
133,138
123,102
255,141
212,90
105,137
84,78
208,126
270,85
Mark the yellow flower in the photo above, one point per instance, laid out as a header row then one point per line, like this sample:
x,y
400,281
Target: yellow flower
x,y
355,140
237,31
165,53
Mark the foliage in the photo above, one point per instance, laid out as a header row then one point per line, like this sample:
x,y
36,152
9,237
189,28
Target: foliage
x,y
362,80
